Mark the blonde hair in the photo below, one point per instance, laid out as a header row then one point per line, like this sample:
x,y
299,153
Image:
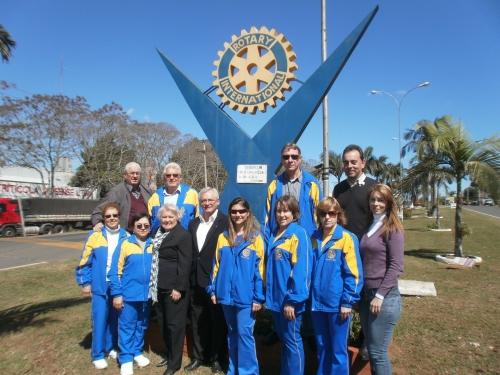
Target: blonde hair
x,y
330,203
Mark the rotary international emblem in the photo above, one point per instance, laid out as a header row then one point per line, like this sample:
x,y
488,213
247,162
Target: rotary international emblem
x,y
254,70
331,254
278,254
245,253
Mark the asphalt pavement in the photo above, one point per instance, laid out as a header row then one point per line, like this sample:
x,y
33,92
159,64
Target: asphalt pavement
x,y
33,250
493,211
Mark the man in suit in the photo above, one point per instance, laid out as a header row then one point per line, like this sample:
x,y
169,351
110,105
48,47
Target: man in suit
x,y
130,195
209,343
353,192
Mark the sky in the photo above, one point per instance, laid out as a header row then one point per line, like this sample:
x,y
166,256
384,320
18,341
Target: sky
x,y
106,52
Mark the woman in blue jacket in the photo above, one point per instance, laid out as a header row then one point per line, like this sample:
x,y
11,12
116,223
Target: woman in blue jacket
x,y
337,279
288,276
91,275
236,283
129,275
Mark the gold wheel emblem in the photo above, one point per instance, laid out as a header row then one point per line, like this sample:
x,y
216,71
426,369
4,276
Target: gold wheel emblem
x,y
254,70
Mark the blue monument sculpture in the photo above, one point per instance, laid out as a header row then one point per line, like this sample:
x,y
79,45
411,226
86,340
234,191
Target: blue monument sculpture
x,y
251,163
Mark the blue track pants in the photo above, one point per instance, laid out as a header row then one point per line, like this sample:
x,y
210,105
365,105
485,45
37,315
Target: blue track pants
x,y
331,334
292,349
241,343
104,326
133,321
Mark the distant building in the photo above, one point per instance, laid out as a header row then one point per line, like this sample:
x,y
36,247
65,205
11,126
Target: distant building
x,y
21,182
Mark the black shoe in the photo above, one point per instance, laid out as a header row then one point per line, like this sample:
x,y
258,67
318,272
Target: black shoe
x,y
193,365
216,368
163,363
169,371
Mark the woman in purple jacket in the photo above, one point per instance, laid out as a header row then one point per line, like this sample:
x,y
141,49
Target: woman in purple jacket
x,y
382,250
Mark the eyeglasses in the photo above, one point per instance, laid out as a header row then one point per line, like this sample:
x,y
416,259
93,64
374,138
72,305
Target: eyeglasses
x,y
241,212
172,175
329,213
142,226
207,200
109,216
293,156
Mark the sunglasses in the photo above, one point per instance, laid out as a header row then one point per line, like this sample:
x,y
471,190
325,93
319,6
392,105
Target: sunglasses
x,y
293,157
142,226
172,175
109,216
329,213
241,212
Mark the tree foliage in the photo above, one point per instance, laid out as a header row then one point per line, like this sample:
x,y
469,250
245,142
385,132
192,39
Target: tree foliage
x,y
190,156
7,44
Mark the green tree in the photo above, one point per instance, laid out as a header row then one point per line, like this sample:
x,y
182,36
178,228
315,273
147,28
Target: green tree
x,y
455,154
7,44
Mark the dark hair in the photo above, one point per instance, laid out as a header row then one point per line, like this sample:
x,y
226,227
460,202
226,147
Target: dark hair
x,y
330,203
138,217
251,227
391,223
290,203
354,148
108,206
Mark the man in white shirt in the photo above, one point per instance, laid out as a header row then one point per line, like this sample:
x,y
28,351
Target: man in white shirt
x,y
207,320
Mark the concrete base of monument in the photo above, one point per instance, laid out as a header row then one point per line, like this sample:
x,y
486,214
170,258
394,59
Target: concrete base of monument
x,y
268,356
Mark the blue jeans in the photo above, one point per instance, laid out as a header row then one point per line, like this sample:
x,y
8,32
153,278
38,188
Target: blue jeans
x,y
378,328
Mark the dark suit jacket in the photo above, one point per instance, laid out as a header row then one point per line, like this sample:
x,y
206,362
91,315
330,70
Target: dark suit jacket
x,y
203,260
174,260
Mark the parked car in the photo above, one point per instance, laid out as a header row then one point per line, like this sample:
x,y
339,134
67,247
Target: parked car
x,y
489,202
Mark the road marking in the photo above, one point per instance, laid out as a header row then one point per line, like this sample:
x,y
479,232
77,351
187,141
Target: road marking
x,y
482,213
24,265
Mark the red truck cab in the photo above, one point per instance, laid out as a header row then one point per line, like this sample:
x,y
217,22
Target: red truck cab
x,y
10,218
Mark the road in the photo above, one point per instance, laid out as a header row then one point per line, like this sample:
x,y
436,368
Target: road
x,y
493,211
32,250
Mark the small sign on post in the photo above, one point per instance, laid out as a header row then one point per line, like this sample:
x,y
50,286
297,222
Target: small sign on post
x,y
251,174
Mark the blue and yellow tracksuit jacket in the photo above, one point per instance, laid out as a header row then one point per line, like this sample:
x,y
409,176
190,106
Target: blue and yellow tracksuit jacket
x,y
131,270
288,269
92,267
238,272
187,199
337,275
310,196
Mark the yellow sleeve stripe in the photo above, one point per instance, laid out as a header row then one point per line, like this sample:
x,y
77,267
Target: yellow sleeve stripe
x,y
291,245
153,202
191,197
314,194
221,242
95,240
258,247
350,255
270,191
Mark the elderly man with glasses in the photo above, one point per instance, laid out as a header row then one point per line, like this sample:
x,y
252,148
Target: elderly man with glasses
x,y
297,183
183,196
130,195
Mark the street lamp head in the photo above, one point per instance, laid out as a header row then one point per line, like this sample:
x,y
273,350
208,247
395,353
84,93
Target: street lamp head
x,y
375,92
424,84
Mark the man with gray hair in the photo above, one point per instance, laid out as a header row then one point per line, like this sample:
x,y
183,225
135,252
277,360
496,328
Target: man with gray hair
x,y
209,337
130,195
174,192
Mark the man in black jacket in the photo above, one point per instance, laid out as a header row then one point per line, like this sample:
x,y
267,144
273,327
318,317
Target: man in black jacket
x,y
209,342
353,193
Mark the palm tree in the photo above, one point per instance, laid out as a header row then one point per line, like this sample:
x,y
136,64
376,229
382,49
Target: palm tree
x,y
6,44
376,166
455,154
336,165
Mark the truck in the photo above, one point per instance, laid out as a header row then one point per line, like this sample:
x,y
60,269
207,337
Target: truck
x,y
24,216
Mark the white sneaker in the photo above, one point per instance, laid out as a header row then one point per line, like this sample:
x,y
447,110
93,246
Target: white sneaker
x,y
141,360
127,368
100,364
113,354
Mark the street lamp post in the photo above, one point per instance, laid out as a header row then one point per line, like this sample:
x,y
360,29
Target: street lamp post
x,y
398,99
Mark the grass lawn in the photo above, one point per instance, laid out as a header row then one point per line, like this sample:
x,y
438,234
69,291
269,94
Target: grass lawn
x,y
45,326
